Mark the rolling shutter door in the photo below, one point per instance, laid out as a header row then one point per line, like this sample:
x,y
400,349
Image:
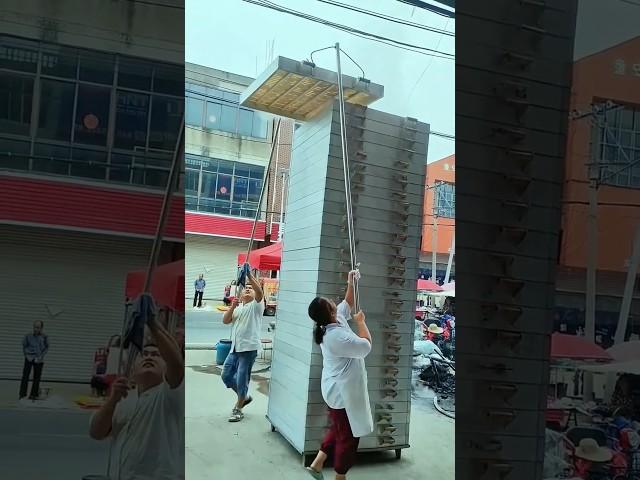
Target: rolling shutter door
x,y
216,259
59,278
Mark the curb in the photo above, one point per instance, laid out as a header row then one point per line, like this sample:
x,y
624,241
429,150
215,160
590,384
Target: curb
x,y
199,346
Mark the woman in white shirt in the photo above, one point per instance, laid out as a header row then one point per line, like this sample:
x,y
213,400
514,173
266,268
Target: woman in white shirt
x,y
344,380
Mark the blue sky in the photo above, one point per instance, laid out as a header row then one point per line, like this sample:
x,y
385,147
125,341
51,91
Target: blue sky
x,y
235,36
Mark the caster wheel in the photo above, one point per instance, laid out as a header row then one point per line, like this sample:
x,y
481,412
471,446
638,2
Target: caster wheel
x,y
398,453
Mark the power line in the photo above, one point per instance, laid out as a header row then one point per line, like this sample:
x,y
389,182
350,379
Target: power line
x,y
429,7
156,4
387,17
359,33
443,135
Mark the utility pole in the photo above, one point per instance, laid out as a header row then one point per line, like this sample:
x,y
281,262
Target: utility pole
x,y
592,251
450,261
434,240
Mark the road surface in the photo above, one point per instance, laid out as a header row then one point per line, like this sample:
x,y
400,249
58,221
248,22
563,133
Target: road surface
x,y
51,445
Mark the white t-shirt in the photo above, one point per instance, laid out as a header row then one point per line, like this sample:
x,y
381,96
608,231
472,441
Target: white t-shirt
x,y
148,435
246,327
344,375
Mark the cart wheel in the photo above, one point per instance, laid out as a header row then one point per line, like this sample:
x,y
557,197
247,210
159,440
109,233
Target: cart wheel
x,y
398,453
273,429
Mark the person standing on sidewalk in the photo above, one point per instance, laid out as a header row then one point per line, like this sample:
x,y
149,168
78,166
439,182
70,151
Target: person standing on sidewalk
x,y
146,423
344,380
245,315
34,346
199,285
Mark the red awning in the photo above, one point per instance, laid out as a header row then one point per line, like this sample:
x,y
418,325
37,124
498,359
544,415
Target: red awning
x,y
574,347
266,258
428,285
167,286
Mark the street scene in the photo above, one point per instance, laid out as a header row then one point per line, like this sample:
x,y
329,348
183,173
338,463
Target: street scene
x,y
320,218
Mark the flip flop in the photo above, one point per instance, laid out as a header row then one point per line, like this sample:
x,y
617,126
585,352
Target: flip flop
x,y
314,474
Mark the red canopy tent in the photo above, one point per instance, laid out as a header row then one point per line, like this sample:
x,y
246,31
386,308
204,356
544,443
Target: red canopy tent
x,y
265,258
429,285
167,285
574,347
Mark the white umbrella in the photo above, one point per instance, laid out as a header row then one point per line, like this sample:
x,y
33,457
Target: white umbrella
x,y
449,286
625,351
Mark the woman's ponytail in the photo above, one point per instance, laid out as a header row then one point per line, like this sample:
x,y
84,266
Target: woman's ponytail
x,y
321,314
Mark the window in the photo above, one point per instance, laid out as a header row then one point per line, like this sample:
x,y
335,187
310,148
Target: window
x,y
58,61
620,146
214,112
228,118
16,96
133,73
51,159
132,110
166,114
260,124
245,122
18,54
227,188
14,154
88,163
445,200
195,111
97,67
92,115
56,110
169,80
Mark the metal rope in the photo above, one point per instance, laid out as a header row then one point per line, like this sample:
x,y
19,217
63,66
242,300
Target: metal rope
x,y
347,179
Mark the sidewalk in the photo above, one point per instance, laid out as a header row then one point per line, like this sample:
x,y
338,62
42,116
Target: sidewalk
x,y
62,396
217,448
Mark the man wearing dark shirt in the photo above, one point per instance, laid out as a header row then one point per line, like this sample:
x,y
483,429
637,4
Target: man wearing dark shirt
x,y
199,285
34,346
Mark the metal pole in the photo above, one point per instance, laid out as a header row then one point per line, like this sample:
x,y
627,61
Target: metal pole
x,y
434,248
450,261
166,204
592,255
274,177
284,176
262,190
347,175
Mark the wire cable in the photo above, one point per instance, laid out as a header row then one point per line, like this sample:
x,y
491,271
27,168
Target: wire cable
x,y
387,17
353,31
431,8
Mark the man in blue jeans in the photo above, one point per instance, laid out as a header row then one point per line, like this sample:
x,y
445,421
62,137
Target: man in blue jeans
x,y
245,315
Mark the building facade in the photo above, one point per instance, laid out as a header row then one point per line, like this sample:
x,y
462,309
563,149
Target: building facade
x,y
439,222
90,109
611,140
227,153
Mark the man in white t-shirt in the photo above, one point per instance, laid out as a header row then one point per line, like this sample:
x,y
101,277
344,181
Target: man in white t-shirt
x,y
245,316
146,423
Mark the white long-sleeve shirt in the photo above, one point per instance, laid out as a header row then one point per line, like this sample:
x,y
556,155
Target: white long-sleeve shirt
x,y
344,375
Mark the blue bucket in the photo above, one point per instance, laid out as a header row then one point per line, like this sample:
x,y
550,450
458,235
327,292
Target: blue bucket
x,y
223,347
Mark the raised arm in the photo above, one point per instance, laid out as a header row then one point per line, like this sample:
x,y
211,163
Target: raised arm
x,y
256,287
170,352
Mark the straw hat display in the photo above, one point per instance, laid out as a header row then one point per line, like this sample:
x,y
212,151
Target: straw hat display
x,y
588,449
433,328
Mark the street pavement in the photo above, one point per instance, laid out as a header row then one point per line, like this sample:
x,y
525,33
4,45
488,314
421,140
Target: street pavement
x,y
52,445
204,328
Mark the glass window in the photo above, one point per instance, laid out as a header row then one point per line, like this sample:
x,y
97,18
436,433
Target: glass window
x,y
156,168
16,96
231,96
257,171
223,187
240,189
192,160
194,113
97,67
14,153
208,189
214,92
56,110
88,164
209,164
255,186
245,122
17,54
195,88
92,115
225,166
59,61
169,79
132,110
214,112
260,123
166,114
190,203
120,168
228,118
134,73
242,169
191,179
51,159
